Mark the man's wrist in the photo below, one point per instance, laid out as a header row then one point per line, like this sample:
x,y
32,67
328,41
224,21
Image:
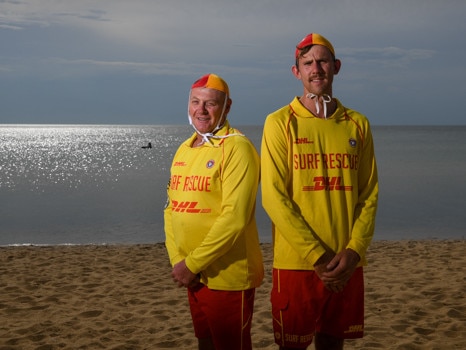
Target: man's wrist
x,y
354,254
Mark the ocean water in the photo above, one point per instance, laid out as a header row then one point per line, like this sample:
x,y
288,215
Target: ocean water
x,y
92,184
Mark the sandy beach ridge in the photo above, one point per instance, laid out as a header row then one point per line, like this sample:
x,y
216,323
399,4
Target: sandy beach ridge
x,y
122,297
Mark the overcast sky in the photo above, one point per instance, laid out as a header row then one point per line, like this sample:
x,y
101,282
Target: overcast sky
x,y
133,61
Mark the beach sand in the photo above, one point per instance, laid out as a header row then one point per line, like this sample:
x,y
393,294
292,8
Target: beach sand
x,y
122,297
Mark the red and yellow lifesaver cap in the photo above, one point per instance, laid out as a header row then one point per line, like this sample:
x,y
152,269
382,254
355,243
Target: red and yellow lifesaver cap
x,y
314,39
212,81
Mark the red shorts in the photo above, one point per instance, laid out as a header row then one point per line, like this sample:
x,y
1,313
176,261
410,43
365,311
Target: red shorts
x,y
301,306
223,316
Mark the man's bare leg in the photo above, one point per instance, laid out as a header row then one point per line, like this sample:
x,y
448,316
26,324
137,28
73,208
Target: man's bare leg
x,y
327,342
205,344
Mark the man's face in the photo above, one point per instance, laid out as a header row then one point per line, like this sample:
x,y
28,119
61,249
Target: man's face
x,y
205,108
316,70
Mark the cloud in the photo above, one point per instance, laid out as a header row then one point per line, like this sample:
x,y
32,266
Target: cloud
x,y
386,57
392,48
91,14
144,68
9,26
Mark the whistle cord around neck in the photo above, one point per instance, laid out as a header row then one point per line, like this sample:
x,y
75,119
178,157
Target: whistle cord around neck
x,y
325,99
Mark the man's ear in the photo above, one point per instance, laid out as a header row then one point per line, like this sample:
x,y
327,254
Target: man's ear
x,y
228,105
295,72
337,66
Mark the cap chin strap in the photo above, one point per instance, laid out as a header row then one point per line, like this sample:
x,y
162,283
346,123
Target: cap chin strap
x,y
208,135
325,99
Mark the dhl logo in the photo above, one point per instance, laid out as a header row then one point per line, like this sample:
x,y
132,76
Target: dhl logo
x,y
323,183
188,207
355,328
302,140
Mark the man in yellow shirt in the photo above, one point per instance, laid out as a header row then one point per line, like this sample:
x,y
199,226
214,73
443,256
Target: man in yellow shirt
x,y
320,189
211,233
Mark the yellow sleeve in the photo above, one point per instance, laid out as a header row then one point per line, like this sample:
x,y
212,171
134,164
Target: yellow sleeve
x,y
173,252
365,211
276,186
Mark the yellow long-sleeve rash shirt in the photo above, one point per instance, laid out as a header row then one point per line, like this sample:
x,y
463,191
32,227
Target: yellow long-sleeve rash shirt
x,y
319,184
210,213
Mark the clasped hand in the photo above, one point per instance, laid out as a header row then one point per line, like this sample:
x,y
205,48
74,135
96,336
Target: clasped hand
x,y
336,269
182,276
